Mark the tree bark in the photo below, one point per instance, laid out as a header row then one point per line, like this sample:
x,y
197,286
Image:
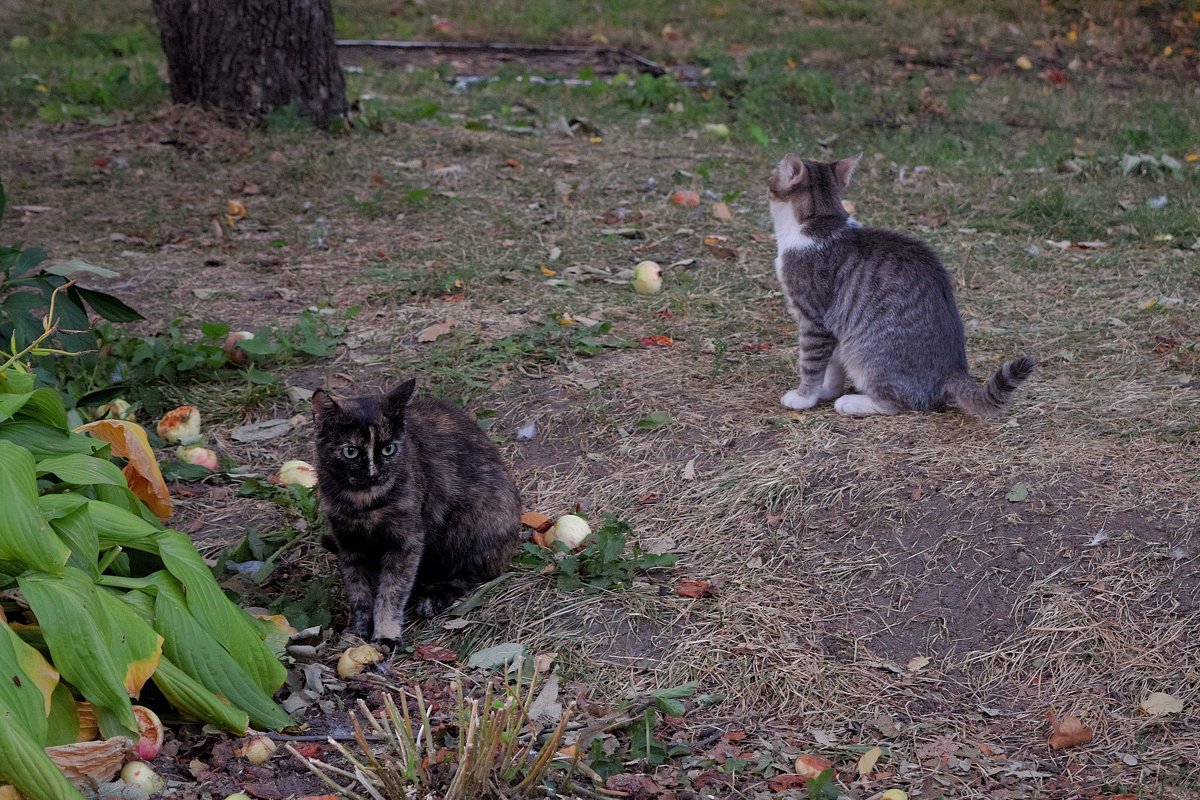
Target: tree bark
x,y
251,56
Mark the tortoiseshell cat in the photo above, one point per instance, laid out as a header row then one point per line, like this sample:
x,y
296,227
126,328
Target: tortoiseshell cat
x,y
873,305
420,504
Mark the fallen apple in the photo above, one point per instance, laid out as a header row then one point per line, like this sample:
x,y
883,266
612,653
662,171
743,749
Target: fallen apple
x,y
200,456
180,425
151,728
257,750
140,774
116,409
234,354
570,530
647,277
297,473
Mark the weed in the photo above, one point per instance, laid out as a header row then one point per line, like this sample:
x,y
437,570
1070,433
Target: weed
x,y
601,565
137,367
495,749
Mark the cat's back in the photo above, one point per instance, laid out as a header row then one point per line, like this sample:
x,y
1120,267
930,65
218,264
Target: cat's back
x,y
434,422
454,450
886,246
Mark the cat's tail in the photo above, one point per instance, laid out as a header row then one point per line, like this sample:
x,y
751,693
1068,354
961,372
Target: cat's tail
x,y
990,399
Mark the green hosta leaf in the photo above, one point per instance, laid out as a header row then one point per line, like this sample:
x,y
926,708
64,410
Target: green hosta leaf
x,y
44,441
77,532
25,765
25,536
82,470
200,655
234,628
116,526
63,725
189,696
80,635
44,405
139,645
10,403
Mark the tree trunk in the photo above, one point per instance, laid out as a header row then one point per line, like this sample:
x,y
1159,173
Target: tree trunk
x,y
250,56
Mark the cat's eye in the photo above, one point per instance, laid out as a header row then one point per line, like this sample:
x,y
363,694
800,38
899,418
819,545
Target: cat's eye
x,y
388,449
350,451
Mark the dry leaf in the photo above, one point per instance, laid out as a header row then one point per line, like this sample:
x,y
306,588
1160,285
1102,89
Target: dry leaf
x,y
696,590
917,663
657,341
1067,732
434,332
781,783
128,440
867,761
91,762
721,211
719,246
539,522
1161,704
689,470
435,652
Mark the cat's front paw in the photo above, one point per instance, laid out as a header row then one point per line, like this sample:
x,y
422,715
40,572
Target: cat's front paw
x,y
429,606
393,645
798,402
362,628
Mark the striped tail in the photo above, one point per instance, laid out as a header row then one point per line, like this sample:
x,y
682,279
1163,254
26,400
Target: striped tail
x,y
990,399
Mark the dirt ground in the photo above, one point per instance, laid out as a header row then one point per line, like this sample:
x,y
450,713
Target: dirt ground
x,y
924,584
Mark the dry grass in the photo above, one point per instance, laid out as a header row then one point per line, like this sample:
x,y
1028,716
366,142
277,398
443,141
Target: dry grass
x,y
842,549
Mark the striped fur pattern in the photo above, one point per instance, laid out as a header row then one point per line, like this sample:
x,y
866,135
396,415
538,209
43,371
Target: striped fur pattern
x,y
421,506
874,307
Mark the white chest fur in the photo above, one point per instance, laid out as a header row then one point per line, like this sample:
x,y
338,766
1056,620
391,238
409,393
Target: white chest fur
x,y
789,234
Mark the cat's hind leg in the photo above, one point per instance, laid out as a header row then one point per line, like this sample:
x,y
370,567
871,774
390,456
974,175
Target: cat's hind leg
x,y
835,379
861,405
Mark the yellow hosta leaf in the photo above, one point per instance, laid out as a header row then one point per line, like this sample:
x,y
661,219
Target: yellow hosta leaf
x,y
38,670
128,440
278,631
140,647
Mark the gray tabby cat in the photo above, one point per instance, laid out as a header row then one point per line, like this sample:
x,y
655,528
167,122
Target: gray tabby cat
x,y
873,306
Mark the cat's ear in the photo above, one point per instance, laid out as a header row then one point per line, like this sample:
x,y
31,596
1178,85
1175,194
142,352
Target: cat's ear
x,y
789,174
397,399
842,170
323,405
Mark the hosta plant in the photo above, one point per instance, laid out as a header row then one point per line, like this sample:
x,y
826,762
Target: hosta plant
x,y
98,597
